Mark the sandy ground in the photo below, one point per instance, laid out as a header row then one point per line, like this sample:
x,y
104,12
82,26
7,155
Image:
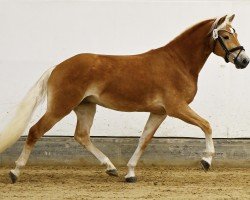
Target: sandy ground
x,y
153,183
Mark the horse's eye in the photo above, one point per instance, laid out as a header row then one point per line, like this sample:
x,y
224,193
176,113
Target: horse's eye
x,y
226,37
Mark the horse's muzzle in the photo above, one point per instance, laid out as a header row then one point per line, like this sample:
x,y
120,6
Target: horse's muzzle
x,y
241,61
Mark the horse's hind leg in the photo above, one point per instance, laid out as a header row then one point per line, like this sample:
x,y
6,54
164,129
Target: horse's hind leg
x,y
154,121
85,115
60,104
47,121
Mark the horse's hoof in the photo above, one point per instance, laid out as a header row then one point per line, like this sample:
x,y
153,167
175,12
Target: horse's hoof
x,y
13,177
205,165
131,179
112,172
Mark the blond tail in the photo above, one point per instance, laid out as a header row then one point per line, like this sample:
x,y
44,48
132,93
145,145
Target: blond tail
x,y
15,128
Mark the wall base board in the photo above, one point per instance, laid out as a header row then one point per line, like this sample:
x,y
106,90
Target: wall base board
x,y
161,151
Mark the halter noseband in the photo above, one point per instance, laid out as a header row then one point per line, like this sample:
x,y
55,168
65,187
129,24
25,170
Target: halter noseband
x,y
217,37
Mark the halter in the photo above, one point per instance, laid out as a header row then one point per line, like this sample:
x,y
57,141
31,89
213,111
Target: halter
x,y
217,37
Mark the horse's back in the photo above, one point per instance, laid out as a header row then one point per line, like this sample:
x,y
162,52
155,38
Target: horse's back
x,y
118,82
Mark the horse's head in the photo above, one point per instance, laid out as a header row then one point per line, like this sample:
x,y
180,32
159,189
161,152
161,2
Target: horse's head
x,y
226,44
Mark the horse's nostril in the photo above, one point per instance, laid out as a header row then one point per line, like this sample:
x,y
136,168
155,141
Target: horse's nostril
x,y
245,61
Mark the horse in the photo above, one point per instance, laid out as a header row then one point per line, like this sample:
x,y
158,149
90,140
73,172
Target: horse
x,y
162,81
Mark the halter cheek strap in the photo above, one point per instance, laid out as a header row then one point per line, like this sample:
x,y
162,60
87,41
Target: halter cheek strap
x,y
217,37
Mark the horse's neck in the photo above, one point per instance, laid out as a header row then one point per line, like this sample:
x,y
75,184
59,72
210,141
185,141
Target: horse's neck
x,y
192,48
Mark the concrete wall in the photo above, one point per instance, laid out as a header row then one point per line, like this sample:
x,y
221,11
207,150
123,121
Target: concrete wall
x,y
161,151
35,35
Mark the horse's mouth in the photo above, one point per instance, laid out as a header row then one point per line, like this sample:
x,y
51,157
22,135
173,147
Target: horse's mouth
x,y
241,64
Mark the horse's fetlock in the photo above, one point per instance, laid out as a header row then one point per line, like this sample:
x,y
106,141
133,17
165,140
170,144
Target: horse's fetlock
x,y
211,153
105,161
131,165
20,163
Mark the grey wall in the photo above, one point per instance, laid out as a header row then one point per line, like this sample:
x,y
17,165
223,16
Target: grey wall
x,y
161,151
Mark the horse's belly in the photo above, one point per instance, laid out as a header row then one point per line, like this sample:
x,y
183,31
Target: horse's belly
x,y
127,105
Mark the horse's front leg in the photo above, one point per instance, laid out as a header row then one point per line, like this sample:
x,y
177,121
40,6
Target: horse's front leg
x,y
186,114
154,121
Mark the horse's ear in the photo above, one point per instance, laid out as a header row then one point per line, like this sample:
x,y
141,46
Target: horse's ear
x,y
230,19
221,20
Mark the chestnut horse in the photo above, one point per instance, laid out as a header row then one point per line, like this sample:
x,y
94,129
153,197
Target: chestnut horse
x,y
162,82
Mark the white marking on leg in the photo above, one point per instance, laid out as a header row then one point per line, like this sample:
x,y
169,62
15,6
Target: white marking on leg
x,y
100,156
22,160
133,162
209,149
152,125
131,172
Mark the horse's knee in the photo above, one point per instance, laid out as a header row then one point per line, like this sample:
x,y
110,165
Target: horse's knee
x,y
206,127
82,138
77,138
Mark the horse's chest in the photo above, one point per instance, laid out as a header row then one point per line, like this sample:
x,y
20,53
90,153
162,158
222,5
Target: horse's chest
x,y
185,88
189,90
